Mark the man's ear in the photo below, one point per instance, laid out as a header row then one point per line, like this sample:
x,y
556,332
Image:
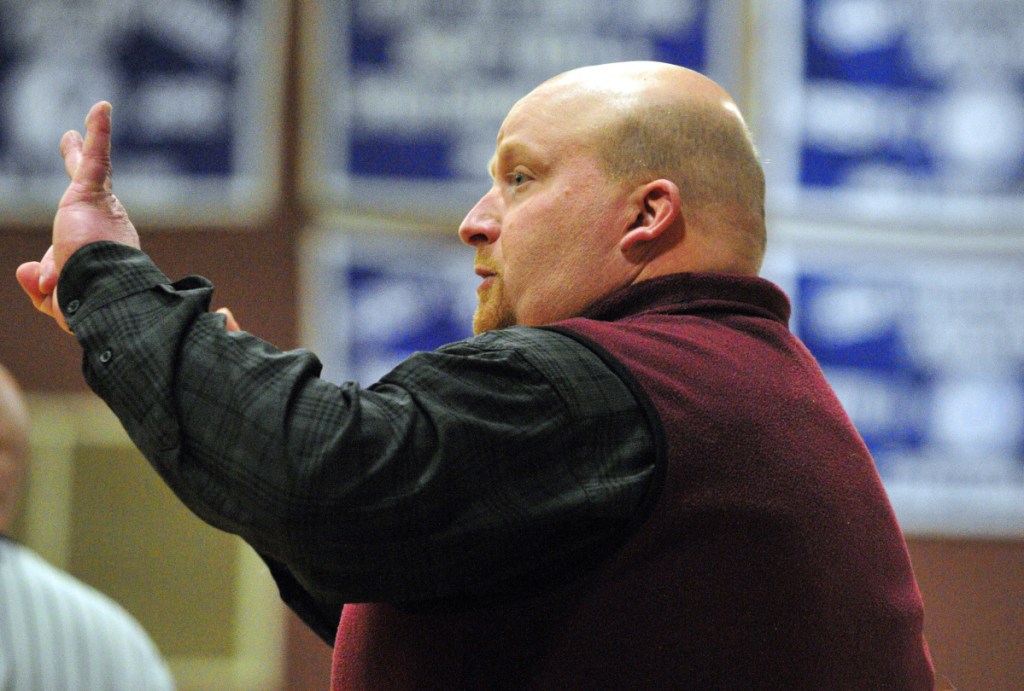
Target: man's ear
x,y
658,207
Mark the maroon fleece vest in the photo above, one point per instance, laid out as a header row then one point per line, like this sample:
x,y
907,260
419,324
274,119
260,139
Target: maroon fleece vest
x,y
771,559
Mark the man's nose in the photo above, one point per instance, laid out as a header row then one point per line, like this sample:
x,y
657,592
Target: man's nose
x,y
482,224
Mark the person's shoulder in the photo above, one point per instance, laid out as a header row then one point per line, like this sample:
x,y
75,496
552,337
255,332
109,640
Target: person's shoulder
x,y
57,585
525,339
53,582
548,351
520,353
582,372
81,610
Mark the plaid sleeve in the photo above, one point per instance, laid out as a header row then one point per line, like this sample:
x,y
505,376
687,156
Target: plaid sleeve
x,y
472,471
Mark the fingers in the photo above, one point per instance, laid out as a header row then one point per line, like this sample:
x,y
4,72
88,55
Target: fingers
x,y
71,151
47,273
28,275
88,161
88,211
38,279
97,132
28,278
229,319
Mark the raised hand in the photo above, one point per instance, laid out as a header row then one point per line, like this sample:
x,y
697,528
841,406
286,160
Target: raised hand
x,y
88,211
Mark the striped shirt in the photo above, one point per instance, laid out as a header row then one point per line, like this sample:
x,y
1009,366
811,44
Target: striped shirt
x,y
58,633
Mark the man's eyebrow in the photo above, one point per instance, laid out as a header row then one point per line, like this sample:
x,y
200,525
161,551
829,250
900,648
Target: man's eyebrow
x,y
506,150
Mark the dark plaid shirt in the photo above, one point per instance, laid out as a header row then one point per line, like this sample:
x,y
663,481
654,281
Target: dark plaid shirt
x,y
466,471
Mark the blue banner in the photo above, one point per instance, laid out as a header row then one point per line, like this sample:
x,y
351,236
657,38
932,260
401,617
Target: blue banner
x,y
414,93
909,110
187,81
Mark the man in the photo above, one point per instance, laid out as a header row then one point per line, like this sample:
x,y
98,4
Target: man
x,y
633,477
55,631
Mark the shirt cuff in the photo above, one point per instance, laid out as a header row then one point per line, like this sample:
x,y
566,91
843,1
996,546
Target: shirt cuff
x,y
100,273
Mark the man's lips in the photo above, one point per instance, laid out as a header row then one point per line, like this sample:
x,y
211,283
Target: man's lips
x,y
488,275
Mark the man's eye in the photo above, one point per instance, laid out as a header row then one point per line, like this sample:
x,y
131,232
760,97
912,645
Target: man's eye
x,y
517,178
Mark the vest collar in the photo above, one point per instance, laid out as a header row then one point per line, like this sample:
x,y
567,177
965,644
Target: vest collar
x,y
695,292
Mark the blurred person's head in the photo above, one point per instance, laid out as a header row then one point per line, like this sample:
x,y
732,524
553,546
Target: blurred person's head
x,y
14,447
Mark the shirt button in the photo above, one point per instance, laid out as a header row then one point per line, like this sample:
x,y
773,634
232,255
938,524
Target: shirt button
x,y
105,356
73,306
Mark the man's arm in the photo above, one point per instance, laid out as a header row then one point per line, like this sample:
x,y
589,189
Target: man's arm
x,y
467,472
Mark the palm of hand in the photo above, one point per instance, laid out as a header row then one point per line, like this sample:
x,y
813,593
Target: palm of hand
x,y
85,216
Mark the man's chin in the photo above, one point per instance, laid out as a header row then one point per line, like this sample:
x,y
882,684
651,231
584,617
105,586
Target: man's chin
x,y
482,324
486,318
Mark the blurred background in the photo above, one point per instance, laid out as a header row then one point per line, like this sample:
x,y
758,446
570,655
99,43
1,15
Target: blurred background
x,y
314,160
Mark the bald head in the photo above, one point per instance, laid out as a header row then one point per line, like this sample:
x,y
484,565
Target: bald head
x,y
13,446
653,120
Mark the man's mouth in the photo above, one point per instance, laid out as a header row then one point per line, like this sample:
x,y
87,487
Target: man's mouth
x,y
488,277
